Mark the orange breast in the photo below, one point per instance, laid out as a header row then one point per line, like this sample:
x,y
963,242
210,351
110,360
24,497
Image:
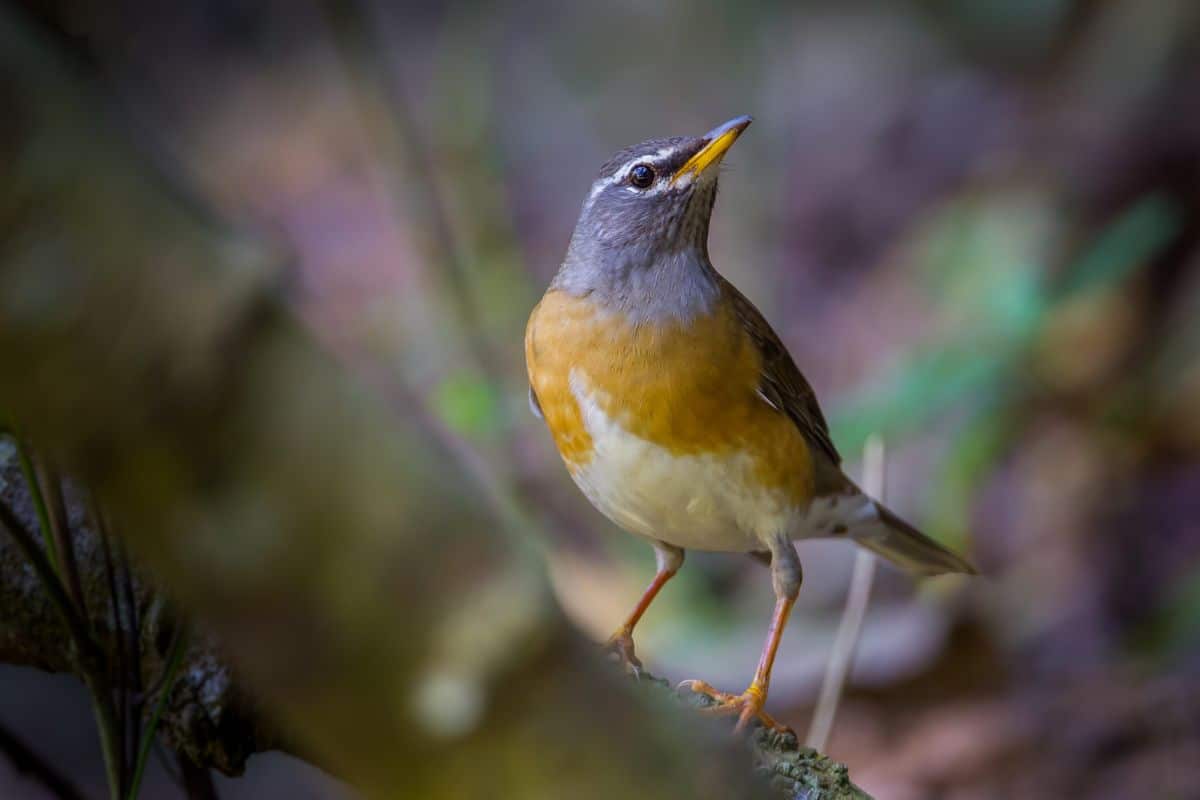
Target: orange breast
x,y
689,388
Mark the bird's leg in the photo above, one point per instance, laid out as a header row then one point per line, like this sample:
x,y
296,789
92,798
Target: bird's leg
x,y
668,560
785,578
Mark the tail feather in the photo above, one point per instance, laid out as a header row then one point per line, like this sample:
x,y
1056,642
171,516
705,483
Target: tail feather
x,y
852,513
906,547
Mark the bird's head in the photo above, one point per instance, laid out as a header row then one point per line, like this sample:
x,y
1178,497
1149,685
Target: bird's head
x,y
647,214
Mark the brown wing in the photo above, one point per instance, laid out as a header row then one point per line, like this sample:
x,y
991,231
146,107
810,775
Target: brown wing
x,y
781,384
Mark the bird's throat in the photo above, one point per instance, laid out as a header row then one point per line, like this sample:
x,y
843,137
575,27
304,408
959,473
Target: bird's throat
x,y
677,286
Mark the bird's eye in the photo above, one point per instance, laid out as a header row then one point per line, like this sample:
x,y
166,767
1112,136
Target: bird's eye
x,y
641,176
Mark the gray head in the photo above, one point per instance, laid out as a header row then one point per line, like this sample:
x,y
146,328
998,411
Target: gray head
x,y
641,243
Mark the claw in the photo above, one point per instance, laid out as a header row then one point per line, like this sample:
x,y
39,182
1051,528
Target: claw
x,y
747,706
620,648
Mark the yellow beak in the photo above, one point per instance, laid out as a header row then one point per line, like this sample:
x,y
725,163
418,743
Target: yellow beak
x,y
719,139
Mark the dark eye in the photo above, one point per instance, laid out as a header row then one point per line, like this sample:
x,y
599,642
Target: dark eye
x,y
641,176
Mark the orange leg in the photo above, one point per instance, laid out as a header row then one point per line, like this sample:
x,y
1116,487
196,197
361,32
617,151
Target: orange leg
x,y
621,643
748,705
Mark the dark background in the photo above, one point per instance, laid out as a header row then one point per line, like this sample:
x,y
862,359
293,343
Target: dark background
x,y
975,224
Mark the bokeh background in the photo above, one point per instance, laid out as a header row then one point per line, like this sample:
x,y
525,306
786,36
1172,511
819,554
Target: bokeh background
x,y
975,223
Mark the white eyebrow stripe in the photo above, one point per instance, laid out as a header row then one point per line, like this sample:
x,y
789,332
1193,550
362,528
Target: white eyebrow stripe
x,y
602,184
619,174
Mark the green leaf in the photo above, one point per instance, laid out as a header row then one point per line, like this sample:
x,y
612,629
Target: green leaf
x,y
1127,245
468,404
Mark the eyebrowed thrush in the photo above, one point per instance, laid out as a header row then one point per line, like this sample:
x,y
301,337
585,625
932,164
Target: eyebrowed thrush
x,y
676,408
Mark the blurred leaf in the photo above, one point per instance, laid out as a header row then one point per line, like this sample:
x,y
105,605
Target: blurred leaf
x,y
915,392
1127,245
982,260
973,454
468,404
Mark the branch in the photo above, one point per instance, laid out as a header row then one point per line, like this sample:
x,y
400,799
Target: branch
x,y
209,718
795,771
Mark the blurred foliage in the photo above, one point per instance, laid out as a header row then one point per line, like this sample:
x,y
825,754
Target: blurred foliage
x,y
986,273
469,404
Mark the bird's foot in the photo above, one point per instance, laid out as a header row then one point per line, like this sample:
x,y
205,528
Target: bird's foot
x,y
620,648
746,706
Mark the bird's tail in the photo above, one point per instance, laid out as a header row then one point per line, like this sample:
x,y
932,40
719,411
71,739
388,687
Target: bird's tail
x,y
877,528
905,546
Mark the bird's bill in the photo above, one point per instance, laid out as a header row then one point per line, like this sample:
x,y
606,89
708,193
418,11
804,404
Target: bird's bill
x,y
718,140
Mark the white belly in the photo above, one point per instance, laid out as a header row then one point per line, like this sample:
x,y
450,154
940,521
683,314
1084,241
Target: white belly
x,y
698,502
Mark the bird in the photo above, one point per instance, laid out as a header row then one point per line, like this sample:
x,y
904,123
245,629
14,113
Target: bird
x,y
677,409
